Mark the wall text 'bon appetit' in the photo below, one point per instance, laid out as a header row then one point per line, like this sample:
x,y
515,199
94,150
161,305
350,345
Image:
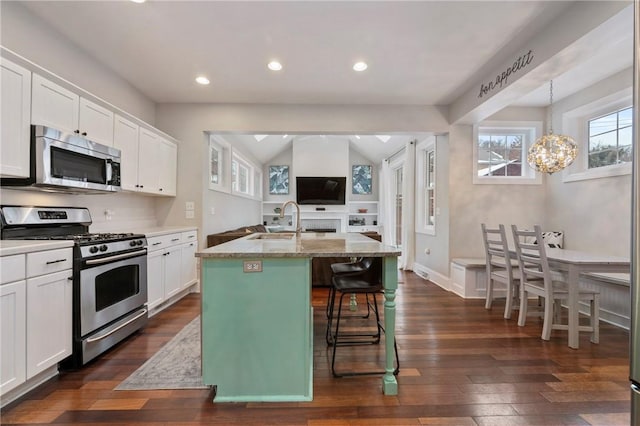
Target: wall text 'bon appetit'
x,y
503,77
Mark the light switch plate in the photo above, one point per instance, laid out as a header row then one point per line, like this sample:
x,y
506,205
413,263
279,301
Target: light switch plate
x,y
252,266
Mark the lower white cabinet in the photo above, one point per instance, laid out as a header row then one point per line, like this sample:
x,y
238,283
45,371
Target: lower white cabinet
x,y
188,268
49,327
13,329
170,266
36,297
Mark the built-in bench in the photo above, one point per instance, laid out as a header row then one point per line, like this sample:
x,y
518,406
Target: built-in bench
x,y
619,278
468,276
468,279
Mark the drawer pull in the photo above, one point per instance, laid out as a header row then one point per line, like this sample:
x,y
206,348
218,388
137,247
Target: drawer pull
x,y
56,261
157,244
175,239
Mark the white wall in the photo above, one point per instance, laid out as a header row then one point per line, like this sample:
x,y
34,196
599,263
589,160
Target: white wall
x,y
188,122
438,245
33,39
594,214
470,205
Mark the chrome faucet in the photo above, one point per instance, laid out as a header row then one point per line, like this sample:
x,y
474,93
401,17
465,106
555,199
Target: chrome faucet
x,y
298,227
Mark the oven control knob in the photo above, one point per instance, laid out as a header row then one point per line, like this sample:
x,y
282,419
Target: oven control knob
x,y
103,248
140,242
93,249
132,243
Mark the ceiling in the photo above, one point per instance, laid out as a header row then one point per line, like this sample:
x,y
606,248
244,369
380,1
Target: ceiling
x,y
418,52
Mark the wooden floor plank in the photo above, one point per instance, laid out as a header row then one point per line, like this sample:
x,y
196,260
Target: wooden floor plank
x,y
460,365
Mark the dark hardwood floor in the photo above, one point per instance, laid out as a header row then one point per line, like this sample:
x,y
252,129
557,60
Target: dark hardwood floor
x,y
460,365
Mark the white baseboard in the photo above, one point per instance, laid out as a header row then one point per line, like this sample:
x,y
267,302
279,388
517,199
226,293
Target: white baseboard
x,y
29,385
437,278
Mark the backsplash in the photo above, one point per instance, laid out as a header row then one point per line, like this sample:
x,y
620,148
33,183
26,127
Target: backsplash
x,y
110,212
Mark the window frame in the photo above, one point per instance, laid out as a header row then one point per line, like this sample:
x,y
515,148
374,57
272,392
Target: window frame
x,y
223,149
531,129
576,123
253,177
423,150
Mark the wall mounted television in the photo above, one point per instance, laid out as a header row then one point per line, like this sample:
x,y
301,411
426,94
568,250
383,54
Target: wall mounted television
x,y
320,190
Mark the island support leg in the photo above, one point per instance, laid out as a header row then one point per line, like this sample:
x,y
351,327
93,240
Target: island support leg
x,y
390,282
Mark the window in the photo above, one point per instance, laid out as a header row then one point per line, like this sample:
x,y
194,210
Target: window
x,y
500,152
610,139
426,184
246,179
219,158
602,129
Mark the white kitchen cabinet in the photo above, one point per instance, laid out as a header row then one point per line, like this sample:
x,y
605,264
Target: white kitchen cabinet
x,y
13,326
155,278
163,268
13,322
169,268
189,273
35,315
148,157
125,138
49,316
15,116
54,106
168,167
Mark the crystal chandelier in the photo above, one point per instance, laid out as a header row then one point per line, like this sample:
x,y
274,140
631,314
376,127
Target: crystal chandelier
x,y
551,153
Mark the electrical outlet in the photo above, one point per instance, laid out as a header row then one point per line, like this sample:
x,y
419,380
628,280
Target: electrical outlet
x,y
190,205
252,266
189,214
212,210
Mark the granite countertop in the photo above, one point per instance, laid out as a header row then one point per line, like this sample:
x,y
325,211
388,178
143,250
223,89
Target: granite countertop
x,y
312,244
11,247
157,231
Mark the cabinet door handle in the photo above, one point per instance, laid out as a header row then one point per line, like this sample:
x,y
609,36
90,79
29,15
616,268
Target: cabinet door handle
x,y
77,132
84,133
50,262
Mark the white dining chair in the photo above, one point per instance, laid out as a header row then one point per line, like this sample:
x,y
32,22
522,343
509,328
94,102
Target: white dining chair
x,y
500,268
538,279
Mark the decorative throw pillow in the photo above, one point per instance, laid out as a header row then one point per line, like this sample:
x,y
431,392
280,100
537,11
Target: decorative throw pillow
x,y
553,239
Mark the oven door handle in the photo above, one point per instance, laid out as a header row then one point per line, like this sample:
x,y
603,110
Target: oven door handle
x,y
116,257
95,339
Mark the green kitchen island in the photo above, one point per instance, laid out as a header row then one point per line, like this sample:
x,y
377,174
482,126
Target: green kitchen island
x,y
257,318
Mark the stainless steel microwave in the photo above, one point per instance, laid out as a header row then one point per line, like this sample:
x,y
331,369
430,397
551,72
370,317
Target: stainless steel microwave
x,y
70,163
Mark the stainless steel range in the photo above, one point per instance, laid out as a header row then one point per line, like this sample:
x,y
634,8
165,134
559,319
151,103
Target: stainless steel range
x,y
109,274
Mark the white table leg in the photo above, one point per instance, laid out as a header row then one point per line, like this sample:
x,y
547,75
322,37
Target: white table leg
x,y
574,288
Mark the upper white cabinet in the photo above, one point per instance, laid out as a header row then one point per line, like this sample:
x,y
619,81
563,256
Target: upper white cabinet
x,y
125,138
15,116
168,167
54,106
157,163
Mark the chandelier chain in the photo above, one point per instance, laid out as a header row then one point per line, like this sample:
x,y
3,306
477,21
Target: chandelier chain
x,y
550,106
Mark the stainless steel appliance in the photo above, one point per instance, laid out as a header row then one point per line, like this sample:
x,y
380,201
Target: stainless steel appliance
x,y
69,162
109,274
634,355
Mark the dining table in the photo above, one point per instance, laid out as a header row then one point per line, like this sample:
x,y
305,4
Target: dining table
x,y
573,263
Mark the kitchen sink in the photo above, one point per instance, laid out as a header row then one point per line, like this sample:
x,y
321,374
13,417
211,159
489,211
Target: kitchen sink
x,y
274,236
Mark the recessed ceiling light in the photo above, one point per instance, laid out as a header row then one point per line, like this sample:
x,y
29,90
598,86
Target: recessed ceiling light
x,y
275,66
202,80
360,66
259,137
284,136
357,136
138,1
383,138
